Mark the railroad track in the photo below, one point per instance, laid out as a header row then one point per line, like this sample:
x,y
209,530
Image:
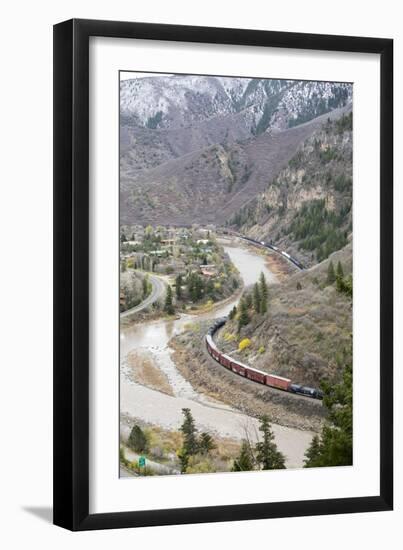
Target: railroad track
x,y
274,381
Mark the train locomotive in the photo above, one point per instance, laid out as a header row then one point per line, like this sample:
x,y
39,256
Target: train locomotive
x,y
272,380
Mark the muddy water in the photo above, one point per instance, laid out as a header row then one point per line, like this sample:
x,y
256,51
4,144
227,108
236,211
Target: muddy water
x,y
153,337
155,407
250,265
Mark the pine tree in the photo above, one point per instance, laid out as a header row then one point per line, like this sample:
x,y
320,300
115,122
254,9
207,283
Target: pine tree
x,y
313,453
210,290
206,443
178,286
267,454
145,287
232,313
190,444
264,293
299,286
195,287
138,440
244,462
331,275
169,307
336,440
243,317
345,285
339,270
256,298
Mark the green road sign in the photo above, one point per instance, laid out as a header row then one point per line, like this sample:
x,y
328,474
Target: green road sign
x,y
142,461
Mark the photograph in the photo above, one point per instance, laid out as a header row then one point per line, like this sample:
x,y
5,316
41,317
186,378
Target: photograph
x,y
235,274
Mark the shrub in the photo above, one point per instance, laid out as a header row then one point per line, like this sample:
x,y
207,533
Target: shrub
x,y
243,344
138,440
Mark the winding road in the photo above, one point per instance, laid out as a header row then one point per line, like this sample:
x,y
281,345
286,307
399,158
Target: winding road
x,y
158,290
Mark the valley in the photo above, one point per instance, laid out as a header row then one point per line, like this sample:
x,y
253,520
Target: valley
x,y
235,203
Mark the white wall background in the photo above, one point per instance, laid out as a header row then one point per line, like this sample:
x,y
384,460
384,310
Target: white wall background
x,y
26,279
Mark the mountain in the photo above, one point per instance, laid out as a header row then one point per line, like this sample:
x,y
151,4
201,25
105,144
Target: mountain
x,y
211,143
178,101
307,208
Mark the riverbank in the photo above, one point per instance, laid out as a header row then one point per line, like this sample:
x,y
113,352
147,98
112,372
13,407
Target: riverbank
x,y
198,385
165,412
210,379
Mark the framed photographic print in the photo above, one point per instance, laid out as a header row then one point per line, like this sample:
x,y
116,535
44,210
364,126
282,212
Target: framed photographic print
x,y
223,319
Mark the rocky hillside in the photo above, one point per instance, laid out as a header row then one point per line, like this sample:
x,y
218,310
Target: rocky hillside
x,y
306,208
305,334
212,143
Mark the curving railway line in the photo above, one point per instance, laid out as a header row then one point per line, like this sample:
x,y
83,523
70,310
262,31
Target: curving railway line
x,y
263,244
241,369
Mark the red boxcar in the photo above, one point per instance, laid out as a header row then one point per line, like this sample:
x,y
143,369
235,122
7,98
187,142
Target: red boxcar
x,y
256,375
238,368
226,361
278,382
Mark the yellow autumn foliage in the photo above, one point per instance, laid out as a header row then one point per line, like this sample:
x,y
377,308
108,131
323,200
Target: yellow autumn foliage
x,y
243,344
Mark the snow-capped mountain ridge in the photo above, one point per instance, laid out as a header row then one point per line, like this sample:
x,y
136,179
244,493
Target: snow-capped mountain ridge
x,y
177,101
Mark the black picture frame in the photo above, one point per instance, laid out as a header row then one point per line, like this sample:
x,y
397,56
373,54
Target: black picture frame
x,y
71,274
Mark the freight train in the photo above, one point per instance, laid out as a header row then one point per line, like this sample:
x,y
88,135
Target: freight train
x,y
276,249
272,380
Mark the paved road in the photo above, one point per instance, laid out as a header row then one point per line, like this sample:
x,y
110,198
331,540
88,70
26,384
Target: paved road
x,y
158,290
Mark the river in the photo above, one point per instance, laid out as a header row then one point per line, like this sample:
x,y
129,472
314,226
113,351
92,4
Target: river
x,y
158,408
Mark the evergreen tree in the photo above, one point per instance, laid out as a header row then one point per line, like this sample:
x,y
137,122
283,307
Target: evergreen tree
x,y
210,290
232,313
178,286
169,307
331,275
313,453
299,286
345,286
195,287
138,440
267,454
264,293
190,444
339,270
256,298
244,462
206,443
198,288
145,287
243,317
336,440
